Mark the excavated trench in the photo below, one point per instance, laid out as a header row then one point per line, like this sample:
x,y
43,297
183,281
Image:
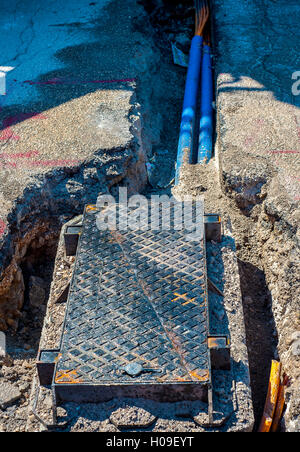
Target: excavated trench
x,y
176,25
35,258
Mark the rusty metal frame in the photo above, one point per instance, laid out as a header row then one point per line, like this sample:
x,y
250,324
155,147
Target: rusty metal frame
x,y
66,385
45,368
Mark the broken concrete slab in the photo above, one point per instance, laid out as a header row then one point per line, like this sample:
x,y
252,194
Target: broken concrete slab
x,y
72,130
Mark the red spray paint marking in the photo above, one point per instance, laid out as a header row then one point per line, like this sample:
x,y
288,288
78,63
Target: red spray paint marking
x,y
5,157
56,81
259,123
249,141
2,227
20,155
12,120
35,163
284,152
8,165
52,163
7,133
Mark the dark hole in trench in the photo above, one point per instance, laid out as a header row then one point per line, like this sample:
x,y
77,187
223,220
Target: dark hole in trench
x,y
261,333
37,263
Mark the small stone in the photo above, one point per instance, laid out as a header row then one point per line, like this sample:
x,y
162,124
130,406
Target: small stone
x,y
23,387
37,292
248,300
61,412
132,416
294,337
32,418
7,361
296,348
8,394
202,419
27,347
2,345
90,173
27,365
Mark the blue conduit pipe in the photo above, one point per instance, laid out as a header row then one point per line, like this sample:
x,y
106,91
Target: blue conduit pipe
x,y
185,145
205,147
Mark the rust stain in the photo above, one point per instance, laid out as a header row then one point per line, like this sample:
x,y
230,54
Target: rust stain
x,y
178,348
212,342
182,379
91,208
67,376
58,358
217,341
184,297
163,378
203,377
192,300
116,237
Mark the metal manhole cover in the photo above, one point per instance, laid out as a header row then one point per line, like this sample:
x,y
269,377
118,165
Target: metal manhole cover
x,y
138,301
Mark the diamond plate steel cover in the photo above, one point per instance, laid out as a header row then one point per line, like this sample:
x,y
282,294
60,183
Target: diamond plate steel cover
x,y
137,312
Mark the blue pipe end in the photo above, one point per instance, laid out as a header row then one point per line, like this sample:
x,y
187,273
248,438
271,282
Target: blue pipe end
x,y
205,148
186,136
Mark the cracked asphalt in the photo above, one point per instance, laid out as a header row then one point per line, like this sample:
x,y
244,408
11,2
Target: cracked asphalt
x,y
258,98
35,32
71,93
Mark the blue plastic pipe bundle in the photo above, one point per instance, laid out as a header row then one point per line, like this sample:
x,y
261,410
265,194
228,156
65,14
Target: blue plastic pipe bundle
x,y
199,75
